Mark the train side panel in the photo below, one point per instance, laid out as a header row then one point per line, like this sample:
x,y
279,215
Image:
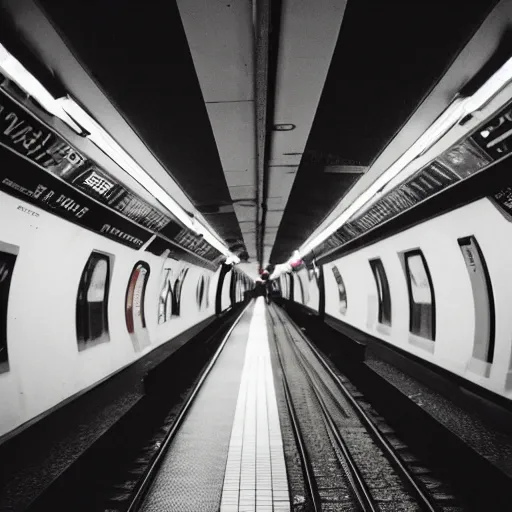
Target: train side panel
x,y
47,361
352,293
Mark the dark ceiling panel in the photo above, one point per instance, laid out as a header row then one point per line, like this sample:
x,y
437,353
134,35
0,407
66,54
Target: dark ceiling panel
x,y
227,224
387,58
306,198
139,55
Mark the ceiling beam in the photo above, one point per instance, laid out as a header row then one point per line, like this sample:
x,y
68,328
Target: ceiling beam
x,y
262,33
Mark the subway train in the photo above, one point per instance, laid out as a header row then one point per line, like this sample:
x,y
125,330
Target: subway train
x,y
84,290
439,292
93,307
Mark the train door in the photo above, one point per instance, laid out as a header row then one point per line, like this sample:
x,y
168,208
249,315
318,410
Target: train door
x,y
203,292
422,311
92,302
383,293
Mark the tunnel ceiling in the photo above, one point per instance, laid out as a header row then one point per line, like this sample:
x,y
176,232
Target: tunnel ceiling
x,y
139,55
387,58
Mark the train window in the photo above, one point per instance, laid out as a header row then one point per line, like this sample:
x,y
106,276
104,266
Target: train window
x,y
342,292
381,280
422,320
202,292
92,302
135,294
483,345
8,254
207,291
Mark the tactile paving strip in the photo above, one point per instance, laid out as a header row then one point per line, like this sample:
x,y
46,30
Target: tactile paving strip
x,y
191,476
256,479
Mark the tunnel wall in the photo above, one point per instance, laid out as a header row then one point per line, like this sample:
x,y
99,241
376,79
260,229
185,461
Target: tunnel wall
x,y
46,364
455,320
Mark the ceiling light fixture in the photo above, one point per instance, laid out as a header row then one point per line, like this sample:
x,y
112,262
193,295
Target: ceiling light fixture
x,y
284,127
459,109
16,72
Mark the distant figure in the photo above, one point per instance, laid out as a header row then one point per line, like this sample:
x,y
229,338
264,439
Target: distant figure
x,y
272,272
259,289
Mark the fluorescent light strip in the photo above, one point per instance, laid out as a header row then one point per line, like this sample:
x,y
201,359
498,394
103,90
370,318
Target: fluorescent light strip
x,y
15,71
108,145
378,188
457,110
492,87
70,112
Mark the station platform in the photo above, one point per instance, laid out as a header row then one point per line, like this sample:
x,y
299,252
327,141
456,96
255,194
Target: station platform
x,y
228,455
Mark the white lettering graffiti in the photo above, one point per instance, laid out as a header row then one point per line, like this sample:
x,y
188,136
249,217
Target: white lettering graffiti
x,y
32,142
17,187
98,183
27,211
64,203
107,228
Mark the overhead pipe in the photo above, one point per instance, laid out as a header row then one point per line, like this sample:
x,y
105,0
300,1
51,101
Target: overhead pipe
x,y
267,20
262,36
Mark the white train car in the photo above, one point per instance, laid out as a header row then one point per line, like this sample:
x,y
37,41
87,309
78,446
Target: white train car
x,y
439,291
77,307
85,290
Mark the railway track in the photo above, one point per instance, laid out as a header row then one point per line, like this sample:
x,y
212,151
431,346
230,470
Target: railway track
x,y
137,497
374,470
115,474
